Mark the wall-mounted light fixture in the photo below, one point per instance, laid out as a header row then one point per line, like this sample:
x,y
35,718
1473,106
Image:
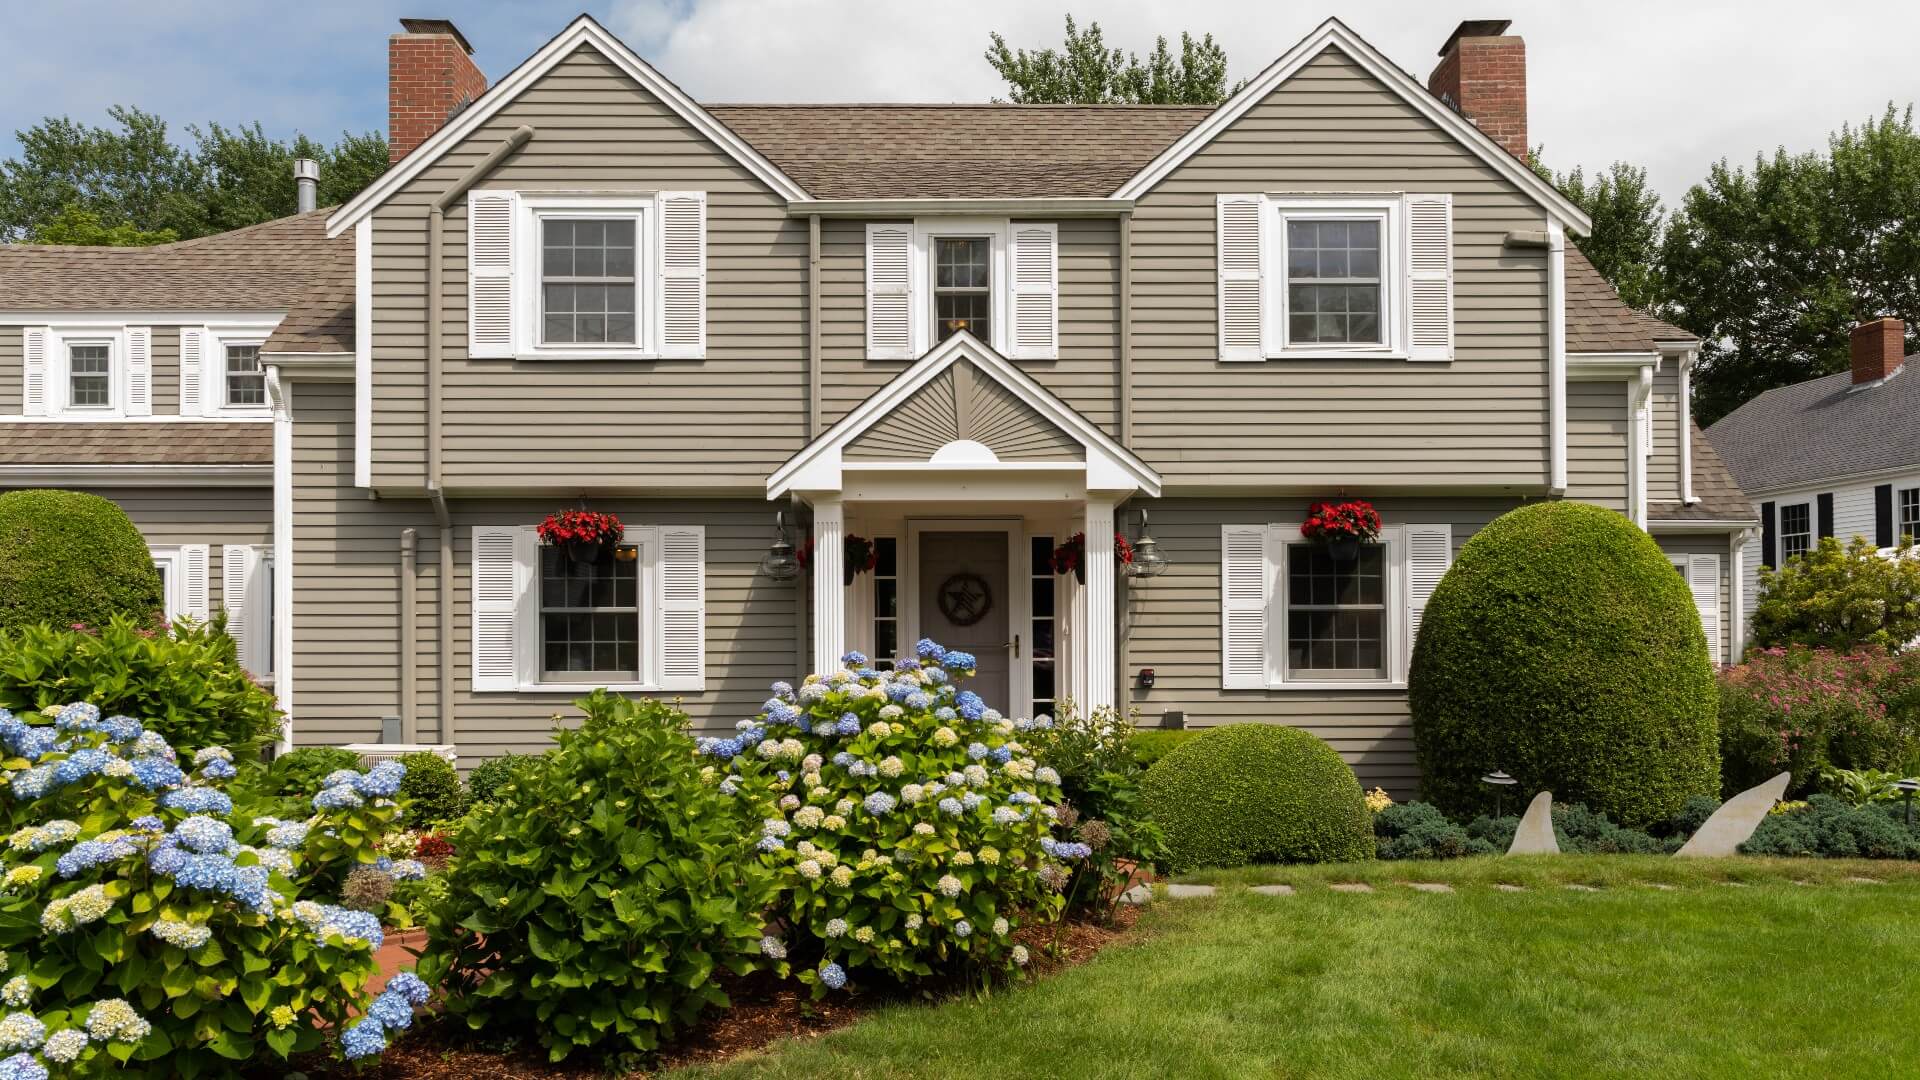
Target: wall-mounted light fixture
x,y
1148,559
780,563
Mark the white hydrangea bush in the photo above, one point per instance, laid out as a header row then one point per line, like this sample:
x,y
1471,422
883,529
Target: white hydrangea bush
x,y
912,829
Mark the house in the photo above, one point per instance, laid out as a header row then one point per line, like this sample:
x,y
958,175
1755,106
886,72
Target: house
x,y
1835,456
962,334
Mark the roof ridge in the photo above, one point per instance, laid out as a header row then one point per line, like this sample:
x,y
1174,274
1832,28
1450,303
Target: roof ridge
x,y
1115,106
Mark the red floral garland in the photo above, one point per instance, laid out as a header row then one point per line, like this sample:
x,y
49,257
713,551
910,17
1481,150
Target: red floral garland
x,y
581,527
1354,519
1070,557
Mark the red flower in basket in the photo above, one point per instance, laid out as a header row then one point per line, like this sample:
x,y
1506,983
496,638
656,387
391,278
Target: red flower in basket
x,y
859,556
1352,522
1071,557
579,530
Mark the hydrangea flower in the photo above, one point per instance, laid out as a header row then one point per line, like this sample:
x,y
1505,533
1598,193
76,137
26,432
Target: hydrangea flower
x,y
1020,955
122,729
921,828
340,797
365,1038
115,1020
154,772
773,948
288,836
22,876
948,886
833,823
391,1011
835,928
22,1067
864,935
962,929
950,805
809,869
204,835
972,800
841,876
977,750
878,803
198,800
408,870
182,934
832,976
21,1031
1046,775
914,922
1000,927
410,987
65,1047
17,992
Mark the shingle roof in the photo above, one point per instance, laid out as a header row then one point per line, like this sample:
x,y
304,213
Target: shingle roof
x,y
1717,497
321,319
976,151
1599,321
135,443
1822,429
264,267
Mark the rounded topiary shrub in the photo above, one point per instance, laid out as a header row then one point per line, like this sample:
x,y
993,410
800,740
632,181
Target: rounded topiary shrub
x,y
432,792
1563,649
68,557
1257,793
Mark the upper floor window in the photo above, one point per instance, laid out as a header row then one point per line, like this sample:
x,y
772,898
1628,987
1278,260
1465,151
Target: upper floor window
x,y
89,375
963,286
1333,281
246,380
1909,514
929,279
588,285
1796,529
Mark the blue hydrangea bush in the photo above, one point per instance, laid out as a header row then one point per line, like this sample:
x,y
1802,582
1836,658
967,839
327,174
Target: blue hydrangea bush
x,y
912,829
149,929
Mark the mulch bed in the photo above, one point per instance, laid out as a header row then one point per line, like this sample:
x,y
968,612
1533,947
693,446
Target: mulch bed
x,y
765,1010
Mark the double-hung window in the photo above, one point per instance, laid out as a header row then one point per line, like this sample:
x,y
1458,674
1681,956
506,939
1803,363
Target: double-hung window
x,y
589,281
89,375
1796,530
1336,613
245,380
963,286
590,626
1334,294
1909,520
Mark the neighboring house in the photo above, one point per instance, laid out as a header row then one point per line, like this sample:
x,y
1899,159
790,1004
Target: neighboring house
x,y
1835,456
964,332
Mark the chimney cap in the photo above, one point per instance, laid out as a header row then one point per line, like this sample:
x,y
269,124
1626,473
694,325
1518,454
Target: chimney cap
x,y
306,169
437,26
1470,28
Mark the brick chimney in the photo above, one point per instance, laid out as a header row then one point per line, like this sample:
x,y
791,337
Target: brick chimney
x,y
430,77
1879,348
1483,74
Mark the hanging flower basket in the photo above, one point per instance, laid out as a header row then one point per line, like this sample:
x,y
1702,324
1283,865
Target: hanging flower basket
x,y
1342,527
582,534
1071,557
860,556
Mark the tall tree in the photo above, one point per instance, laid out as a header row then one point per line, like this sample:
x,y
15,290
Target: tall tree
x,y
1085,72
129,183
1628,223
1773,267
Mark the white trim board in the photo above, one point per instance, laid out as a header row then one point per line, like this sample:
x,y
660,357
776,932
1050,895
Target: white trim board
x,y
1335,34
92,317
582,31
363,353
139,475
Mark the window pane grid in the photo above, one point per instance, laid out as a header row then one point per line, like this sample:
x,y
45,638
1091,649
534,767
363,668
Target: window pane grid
x,y
886,602
587,281
1333,281
1336,613
89,374
1909,513
246,382
1046,665
590,613
962,286
1796,530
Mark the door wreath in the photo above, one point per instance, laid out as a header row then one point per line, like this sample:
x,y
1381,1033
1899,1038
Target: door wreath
x,y
965,598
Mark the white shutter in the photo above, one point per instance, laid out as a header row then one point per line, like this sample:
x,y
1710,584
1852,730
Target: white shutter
x,y
1036,292
1429,277
1429,553
34,345
1238,228
498,579
1244,583
683,601
193,370
490,223
237,563
889,292
683,273
1703,580
139,371
193,587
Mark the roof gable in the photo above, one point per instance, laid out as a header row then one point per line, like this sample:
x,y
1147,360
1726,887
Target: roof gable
x,y
1333,34
964,405
1822,429
583,31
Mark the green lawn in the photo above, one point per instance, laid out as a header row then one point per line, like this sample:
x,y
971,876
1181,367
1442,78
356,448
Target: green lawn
x,y
1772,979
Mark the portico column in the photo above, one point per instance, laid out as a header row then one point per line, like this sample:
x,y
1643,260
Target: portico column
x,y
829,584
1096,636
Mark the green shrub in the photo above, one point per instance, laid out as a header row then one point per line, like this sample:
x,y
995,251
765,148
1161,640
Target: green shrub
x,y
1807,710
300,770
489,776
1152,744
913,832
1251,793
67,557
1418,830
1562,648
183,681
1103,807
593,902
432,791
1841,598
1829,828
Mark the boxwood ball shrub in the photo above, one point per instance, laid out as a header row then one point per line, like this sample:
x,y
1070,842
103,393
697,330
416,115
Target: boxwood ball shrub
x,y
490,775
1563,648
593,901
1253,793
149,929
431,791
68,557
913,830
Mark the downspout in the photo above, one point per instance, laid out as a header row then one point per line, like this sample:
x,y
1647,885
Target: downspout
x,y
1124,379
436,492
813,326
409,690
1641,421
1557,356
1686,427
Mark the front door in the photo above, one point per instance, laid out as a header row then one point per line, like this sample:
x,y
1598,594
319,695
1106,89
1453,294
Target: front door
x,y
964,603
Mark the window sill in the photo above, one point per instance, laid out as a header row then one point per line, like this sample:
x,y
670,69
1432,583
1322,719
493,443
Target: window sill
x,y
547,356
579,688
1339,354
1338,684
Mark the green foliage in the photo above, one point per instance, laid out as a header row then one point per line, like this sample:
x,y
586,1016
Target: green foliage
x,y
300,771
431,791
1085,72
77,227
1628,222
1418,830
1859,787
1806,711
1250,793
184,679
131,887
1842,598
1562,648
913,831
1829,828
1103,804
134,182
1152,744
488,776
68,557
1772,267
594,900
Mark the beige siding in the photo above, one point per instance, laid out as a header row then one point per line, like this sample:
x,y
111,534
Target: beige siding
x,y
1663,465
1720,545
12,365
1172,624
1479,421
724,422
1597,443
965,403
212,516
346,576
166,371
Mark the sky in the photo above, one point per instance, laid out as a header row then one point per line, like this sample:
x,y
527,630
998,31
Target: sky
x,y
1672,85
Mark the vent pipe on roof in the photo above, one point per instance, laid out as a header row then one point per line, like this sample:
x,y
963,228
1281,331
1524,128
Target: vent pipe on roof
x,y
306,182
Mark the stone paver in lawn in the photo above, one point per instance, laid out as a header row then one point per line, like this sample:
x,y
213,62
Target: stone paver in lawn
x,y
1863,881
1577,887
1274,890
1661,885
1188,892
1429,886
1505,887
1139,894
1350,886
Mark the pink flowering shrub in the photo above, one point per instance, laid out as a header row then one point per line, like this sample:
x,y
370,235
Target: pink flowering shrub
x,y
1806,710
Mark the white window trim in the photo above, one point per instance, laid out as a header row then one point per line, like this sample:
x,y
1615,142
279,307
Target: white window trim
x,y
999,280
529,210
1780,525
526,619
218,361
1286,534
1898,530
170,559
1390,210
59,375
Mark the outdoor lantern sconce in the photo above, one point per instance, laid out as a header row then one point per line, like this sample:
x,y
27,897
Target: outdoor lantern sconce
x,y
780,562
1500,782
1148,559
